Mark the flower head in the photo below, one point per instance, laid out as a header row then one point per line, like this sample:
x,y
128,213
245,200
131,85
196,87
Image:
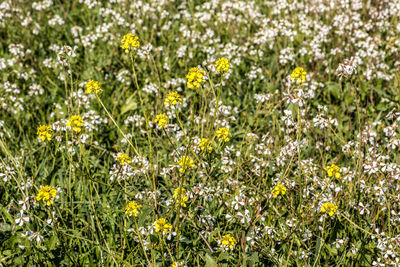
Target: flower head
x,y
161,120
329,208
222,65
195,77
299,75
333,170
180,196
132,209
185,162
223,134
93,86
227,242
205,145
279,189
129,40
75,122
47,194
123,159
162,226
178,264
173,98
45,132
347,68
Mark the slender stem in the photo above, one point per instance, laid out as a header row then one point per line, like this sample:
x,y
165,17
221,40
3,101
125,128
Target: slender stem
x,y
141,242
120,130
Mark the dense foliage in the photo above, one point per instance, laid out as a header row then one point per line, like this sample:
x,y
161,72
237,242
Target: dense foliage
x,y
200,133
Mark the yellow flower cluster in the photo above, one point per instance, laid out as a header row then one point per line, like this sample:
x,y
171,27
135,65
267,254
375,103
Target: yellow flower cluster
x,y
223,134
222,65
161,120
45,132
185,162
93,87
279,189
123,159
129,40
299,75
333,170
195,77
162,226
205,145
177,264
329,208
180,196
228,241
173,98
132,209
47,194
75,122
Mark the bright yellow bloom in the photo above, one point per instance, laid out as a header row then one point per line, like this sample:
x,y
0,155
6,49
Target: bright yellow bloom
x,y
329,208
162,226
45,132
222,65
195,78
75,122
333,170
228,241
123,159
223,134
130,40
279,189
173,98
47,194
205,145
93,86
299,75
161,120
132,209
185,163
180,196
177,264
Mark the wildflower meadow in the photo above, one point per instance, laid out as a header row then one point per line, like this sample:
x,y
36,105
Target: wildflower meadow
x,y
200,133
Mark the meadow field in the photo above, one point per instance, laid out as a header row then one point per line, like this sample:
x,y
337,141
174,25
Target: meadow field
x,y
200,133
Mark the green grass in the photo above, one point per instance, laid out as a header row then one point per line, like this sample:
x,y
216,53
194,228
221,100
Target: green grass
x,y
229,191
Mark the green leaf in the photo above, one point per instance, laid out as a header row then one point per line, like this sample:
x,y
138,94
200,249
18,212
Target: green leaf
x,y
333,89
210,262
253,259
129,105
52,243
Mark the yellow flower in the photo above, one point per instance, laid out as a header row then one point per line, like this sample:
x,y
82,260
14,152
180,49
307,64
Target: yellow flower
x,y
123,159
329,208
177,264
222,65
180,196
173,98
47,194
333,170
132,209
299,75
75,122
161,120
93,86
228,241
279,189
205,145
185,163
223,134
162,225
195,78
45,132
129,40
